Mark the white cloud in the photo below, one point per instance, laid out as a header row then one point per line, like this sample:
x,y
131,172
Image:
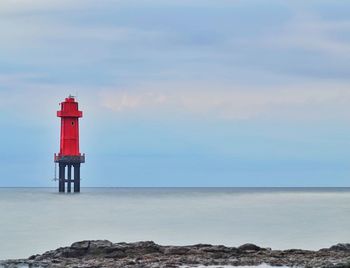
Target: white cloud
x,y
121,101
315,100
311,33
18,6
40,30
299,101
303,101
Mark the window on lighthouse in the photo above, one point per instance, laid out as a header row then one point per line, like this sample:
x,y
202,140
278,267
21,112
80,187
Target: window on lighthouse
x,y
72,123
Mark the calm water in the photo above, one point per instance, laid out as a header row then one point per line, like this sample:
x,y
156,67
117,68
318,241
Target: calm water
x,y
36,220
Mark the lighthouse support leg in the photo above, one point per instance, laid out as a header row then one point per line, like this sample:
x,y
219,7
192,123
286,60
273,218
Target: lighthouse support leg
x,y
77,178
69,181
61,178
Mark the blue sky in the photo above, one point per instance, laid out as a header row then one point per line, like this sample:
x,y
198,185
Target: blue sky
x,y
178,93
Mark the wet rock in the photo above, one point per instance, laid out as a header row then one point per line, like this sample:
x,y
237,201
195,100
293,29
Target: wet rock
x,y
248,246
143,247
33,257
100,244
147,254
99,247
81,245
175,250
340,247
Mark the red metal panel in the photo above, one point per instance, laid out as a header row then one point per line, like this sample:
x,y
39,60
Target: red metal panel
x,y
69,113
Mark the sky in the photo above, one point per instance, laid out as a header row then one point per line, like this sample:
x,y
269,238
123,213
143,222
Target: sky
x,y
178,93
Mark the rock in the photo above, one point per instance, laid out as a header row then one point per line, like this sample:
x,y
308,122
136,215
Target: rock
x,y
99,244
117,254
340,247
175,250
81,245
212,248
248,246
33,257
147,254
143,247
99,247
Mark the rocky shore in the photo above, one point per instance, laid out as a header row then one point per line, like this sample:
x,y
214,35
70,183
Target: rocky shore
x,y
103,253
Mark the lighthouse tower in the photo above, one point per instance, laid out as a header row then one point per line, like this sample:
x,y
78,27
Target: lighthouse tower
x,y
69,155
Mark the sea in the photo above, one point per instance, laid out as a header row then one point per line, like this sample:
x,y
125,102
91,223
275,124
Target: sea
x,y
34,220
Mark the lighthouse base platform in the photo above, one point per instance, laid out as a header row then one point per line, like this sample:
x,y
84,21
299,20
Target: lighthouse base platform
x,y
72,165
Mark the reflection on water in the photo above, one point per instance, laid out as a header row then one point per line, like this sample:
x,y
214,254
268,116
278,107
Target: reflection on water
x,y
36,220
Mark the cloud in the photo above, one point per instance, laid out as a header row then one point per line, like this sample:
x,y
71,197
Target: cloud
x,y
121,101
42,31
309,32
19,6
306,101
63,51
170,100
26,6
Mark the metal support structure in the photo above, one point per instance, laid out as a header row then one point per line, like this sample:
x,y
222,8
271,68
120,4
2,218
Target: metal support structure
x,y
62,179
69,181
77,178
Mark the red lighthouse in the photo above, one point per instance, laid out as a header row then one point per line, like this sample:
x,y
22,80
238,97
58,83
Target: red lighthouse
x,y
69,155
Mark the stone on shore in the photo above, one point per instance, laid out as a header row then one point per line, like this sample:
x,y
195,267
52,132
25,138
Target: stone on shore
x,y
147,254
